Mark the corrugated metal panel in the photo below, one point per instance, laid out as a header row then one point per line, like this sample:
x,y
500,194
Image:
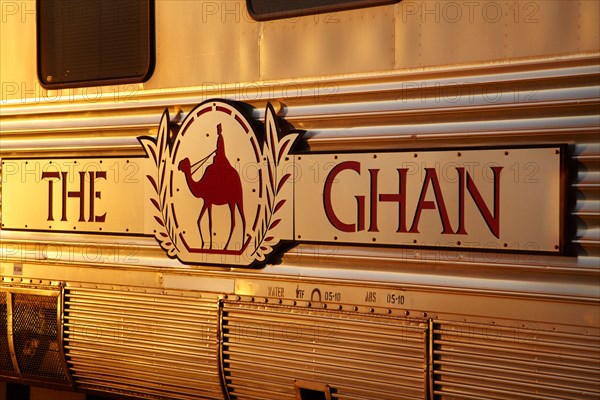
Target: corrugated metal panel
x,y
140,344
265,348
475,361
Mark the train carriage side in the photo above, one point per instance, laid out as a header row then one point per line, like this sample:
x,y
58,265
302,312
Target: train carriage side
x,y
405,204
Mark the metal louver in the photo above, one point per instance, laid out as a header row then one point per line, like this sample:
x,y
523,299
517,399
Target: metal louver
x,y
267,348
586,191
473,361
6,366
143,345
36,337
31,335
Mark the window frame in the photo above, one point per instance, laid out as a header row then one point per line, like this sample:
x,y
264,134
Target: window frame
x,y
149,70
311,10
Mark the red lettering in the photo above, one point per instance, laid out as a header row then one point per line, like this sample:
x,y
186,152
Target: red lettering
x,y
373,200
431,177
461,202
50,176
331,216
465,184
399,198
95,195
80,194
493,222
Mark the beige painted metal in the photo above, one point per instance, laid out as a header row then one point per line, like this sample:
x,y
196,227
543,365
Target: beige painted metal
x,y
156,345
489,301
208,43
360,357
438,33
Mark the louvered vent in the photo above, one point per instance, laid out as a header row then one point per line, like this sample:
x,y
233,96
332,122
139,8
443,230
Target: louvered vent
x,y
143,345
586,191
6,366
36,337
360,357
474,361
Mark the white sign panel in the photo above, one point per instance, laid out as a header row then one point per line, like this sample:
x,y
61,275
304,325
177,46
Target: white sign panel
x,y
76,195
487,199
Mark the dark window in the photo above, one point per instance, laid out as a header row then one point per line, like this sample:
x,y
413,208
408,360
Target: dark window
x,y
263,10
94,42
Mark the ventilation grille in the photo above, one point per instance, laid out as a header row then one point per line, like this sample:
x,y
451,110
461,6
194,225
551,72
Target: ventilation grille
x,y
30,338
36,336
586,192
488,362
143,345
5,359
360,357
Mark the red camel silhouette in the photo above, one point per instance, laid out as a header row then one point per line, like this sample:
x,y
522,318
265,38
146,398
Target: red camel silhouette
x,y
219,185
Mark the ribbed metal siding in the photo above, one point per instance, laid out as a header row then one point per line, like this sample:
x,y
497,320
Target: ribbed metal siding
x,y
473,361
147,345
361,357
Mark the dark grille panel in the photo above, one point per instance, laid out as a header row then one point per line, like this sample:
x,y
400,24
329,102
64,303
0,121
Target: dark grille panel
x,y
36,336
5,361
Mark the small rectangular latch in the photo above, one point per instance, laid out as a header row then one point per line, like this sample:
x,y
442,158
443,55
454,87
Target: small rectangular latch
x,y
310,390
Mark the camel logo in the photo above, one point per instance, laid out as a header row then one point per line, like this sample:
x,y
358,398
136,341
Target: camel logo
x,y
221,194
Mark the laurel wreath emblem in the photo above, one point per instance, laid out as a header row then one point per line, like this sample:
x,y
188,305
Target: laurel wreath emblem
x,y
159,150
274,153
